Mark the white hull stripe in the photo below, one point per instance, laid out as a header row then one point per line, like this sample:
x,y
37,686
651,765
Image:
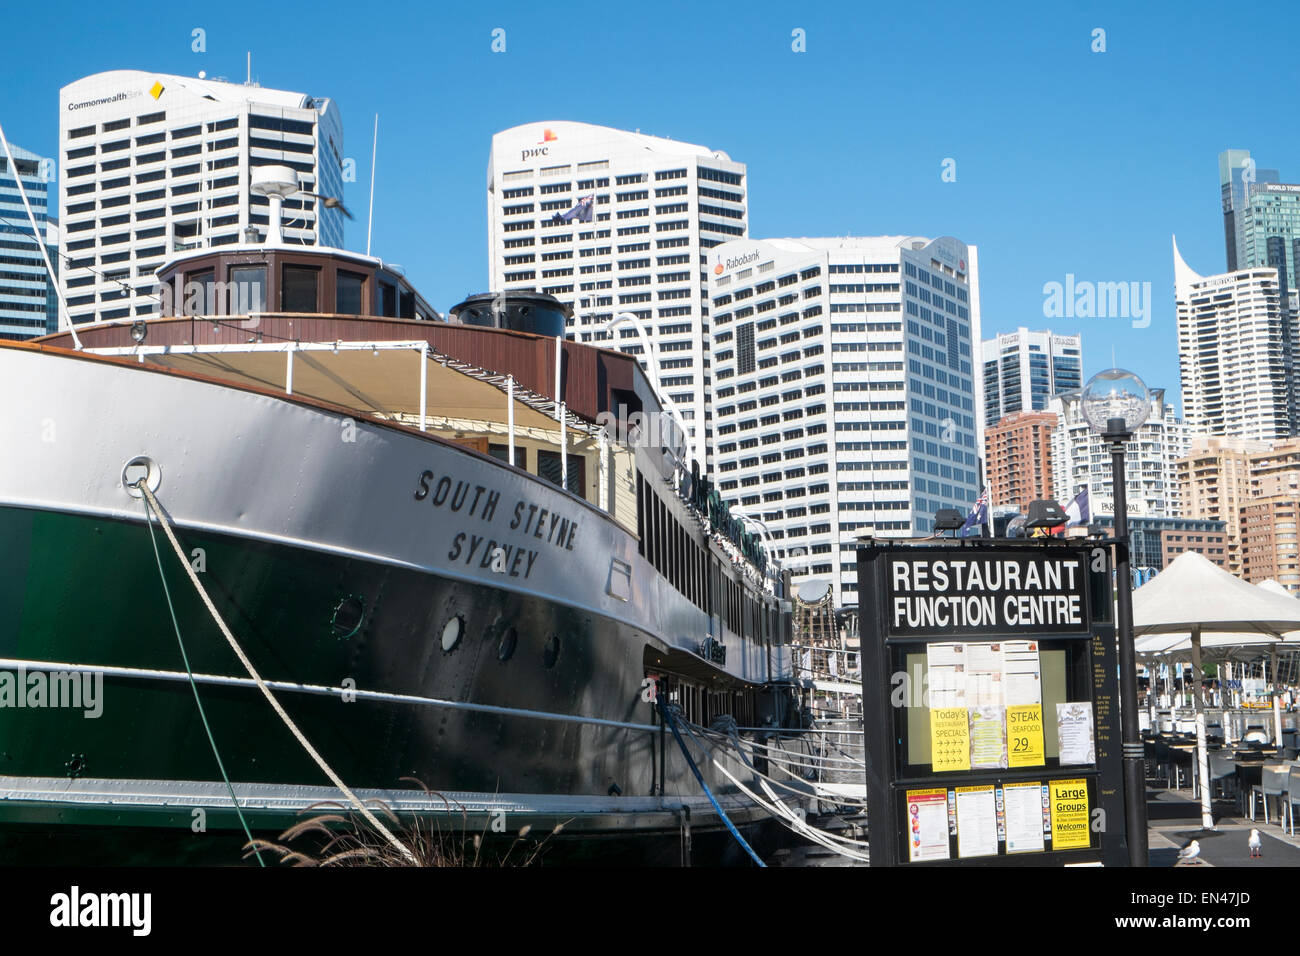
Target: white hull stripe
x,y
141,673
294,797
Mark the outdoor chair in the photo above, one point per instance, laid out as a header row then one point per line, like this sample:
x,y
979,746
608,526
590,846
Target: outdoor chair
x,y
1223,768
1272,783
1292,794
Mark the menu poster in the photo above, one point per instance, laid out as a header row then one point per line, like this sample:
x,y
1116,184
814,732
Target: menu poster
x,y
1022,673
946,671
1024,817
977,822
949,739
927,825
1070,823
988,739
984,666
1025,736
1074,733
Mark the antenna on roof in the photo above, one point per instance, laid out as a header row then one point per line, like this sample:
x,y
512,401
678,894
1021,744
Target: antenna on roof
x,y
374,151
248,81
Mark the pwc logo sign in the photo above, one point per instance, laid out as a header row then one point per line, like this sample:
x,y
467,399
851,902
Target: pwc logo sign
x,y
541,149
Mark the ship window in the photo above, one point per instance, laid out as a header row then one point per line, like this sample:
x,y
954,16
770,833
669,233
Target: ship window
x,y
502,453
406,304
387,299
551,653
549,467
249,289
509,641
200,294
347,300
298,289
451,633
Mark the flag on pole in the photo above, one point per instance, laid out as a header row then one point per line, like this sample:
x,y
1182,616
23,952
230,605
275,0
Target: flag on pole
x,y
979,515
582,211
1079,511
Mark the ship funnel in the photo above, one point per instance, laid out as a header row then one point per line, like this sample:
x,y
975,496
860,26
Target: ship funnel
x,y
534,312
275,183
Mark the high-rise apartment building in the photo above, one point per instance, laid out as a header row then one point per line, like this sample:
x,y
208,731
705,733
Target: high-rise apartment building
x,y
154,164
1214,481
1268,539
846,397
1081,458
1018,459
27,301
1023,369
1234,351
612,222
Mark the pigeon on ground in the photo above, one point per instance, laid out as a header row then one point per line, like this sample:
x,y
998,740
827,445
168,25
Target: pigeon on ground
x,y
1190,852
1256,844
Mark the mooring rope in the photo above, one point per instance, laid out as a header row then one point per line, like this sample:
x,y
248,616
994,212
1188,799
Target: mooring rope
x,y
261,684
239,812
666,712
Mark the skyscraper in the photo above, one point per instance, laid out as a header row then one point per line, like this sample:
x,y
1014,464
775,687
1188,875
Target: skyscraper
x,y
1023,369
1237,173
845,399
27,303
613,222
1234,352
1018,458
1081,459
153,164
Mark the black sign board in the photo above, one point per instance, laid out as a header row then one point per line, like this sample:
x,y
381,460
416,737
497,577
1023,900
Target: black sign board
x,y
990,702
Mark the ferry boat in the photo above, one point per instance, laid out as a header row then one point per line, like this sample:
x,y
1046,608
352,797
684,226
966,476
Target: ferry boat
x,y
458,550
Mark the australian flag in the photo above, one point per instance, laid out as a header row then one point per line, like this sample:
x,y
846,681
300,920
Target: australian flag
x,y
580,212
978,517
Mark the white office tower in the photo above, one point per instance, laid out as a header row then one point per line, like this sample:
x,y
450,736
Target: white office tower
x,y
845,402
1023,369
1081,459
153,164
1235,345
613,222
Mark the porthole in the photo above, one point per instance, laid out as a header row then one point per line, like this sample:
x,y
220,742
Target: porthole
x,y
506,646
452,632
551,653
347,617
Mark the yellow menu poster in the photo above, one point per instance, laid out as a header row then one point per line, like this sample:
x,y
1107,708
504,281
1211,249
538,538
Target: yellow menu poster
x,y
949,739
1025,736
1070,815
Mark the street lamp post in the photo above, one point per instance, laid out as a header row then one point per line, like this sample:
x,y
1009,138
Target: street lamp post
x,y
652,359
1116,403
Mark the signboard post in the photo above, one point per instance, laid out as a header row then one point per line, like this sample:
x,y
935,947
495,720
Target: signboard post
x,y
990,704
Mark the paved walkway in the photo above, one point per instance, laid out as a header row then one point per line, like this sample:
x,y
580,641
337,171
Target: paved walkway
x,y
1174,820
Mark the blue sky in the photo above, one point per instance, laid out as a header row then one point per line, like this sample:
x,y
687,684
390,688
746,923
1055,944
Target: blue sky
x,y
1067,160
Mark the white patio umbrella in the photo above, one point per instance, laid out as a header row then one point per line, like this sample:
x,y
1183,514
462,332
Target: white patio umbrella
x,y
1194,597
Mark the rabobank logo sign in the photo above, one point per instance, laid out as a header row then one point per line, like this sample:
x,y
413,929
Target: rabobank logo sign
x,y
734,262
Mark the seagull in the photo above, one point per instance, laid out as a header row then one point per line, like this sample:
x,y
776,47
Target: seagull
x,y
1190,852
1256,844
